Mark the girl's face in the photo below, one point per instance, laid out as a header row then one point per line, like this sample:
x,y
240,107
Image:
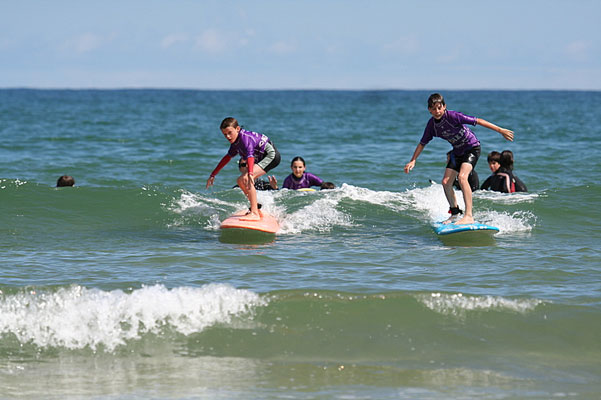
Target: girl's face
x,y
298,168
231,133
494,166
437,110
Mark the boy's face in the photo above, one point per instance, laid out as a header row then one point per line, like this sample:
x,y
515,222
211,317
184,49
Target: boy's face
x,y
437,110
298,168
230,133
494,166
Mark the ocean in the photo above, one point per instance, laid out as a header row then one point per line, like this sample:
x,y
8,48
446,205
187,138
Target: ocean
x,y
123,287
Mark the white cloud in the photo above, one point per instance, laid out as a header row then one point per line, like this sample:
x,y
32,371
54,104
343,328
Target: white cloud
x,y
87,42
173,39
578,50
403,45
282,47
211,41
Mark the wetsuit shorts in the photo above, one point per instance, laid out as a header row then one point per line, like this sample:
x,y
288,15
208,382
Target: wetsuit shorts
x,y
471,156
272,157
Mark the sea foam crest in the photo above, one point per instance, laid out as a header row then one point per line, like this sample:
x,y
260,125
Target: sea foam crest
x,y
196,204
191,205
433,203
458,304
507,198
77,317
393,200
321,215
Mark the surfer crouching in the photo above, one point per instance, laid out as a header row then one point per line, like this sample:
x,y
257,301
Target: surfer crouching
x,y
259,153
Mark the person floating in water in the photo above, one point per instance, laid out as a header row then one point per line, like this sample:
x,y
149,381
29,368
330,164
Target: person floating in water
x,y
258,151
65,180
503,179
300,179
450,125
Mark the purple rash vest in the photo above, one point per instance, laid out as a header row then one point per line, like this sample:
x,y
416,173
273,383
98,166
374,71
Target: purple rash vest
x,y
249,144
306,181
451,128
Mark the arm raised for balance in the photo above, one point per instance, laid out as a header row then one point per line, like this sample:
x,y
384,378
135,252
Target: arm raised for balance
x,y
507,134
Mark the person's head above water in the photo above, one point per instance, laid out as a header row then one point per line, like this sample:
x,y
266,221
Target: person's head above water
x,y
65,180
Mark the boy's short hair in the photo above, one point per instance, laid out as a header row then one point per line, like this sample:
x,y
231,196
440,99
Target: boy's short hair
x,y
227,122
435,98
327,185
494,156
65,180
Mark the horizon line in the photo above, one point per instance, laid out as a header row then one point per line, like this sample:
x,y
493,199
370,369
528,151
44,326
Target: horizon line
x,y
367,89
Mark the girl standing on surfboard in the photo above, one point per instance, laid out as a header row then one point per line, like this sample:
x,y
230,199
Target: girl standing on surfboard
x,y
260,155
449,125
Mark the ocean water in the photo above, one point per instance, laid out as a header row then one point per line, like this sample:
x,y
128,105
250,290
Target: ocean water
x,y
123,287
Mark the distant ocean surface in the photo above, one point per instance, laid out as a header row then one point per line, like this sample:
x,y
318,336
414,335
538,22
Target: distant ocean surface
x,y
123,287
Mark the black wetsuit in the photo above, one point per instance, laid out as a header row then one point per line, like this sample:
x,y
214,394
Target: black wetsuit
x,y
260,184
504,181
472,179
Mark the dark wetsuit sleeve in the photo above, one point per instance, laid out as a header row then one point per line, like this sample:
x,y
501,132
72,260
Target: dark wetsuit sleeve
x,y
487,183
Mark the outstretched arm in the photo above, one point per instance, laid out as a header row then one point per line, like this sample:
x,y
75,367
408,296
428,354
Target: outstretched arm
x,y
507,134
226,159
416,153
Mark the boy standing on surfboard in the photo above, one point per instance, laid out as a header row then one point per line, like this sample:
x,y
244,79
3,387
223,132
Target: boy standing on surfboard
x,y
260,155
449,125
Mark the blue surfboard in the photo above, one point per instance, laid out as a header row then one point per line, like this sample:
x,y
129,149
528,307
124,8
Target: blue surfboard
x,y
448,229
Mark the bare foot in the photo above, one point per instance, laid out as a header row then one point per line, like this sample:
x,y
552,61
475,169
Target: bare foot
x,y
251,217
465,220
450,220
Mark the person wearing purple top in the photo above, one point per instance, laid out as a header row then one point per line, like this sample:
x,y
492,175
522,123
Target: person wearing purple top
x,y
260,155
450,125
299,179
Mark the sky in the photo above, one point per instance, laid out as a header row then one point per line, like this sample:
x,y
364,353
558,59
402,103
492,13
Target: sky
x,y
301,44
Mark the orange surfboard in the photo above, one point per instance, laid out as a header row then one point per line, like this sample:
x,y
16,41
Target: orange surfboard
x,y
268,223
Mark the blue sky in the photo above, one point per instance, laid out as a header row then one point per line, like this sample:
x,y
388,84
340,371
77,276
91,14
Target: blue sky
x,y
286,44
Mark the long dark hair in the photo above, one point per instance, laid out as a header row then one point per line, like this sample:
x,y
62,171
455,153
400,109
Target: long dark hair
x,y
297,158
507,159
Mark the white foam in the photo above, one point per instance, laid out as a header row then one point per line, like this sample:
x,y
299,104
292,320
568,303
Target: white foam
x,y
77,317
324,213
506,198
458,304
321,215
433,203
191,203
393,200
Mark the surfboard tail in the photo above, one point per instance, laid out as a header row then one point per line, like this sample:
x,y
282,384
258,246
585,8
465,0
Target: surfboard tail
x,y
267,223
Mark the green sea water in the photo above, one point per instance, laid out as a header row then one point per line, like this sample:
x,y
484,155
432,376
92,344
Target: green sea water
x,y
124,287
